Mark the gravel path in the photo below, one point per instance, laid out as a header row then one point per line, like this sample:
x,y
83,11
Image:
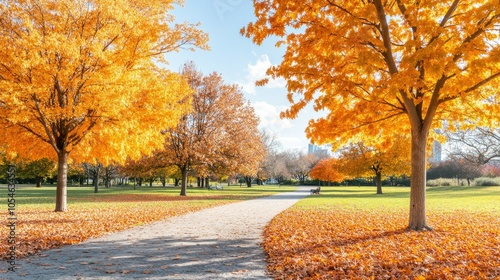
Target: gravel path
x,y
216,243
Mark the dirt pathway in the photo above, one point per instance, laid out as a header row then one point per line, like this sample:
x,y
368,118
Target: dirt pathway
x,y
216,243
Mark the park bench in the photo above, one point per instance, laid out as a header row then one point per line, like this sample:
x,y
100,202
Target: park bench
x,y
215,187
316,190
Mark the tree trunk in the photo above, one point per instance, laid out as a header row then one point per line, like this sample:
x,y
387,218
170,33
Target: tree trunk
x,y
38,181
62,183
378,179
184,180
418,181
151,182
248,180
96,179
207,182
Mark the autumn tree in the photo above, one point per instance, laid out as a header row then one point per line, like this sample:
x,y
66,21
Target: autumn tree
x,y
80,78
93,170
300,164
142,169
109,173
269,165
97,171
276,164
220,133
328,170
491,169
163,173
376,66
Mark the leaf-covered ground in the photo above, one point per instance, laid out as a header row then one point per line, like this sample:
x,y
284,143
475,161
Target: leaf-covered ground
x,y
38,227
349,242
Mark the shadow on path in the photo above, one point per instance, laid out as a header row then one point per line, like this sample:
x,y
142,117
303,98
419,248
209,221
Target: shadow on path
x,y
154,258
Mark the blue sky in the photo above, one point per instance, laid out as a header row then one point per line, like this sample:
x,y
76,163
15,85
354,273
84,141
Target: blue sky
x,y
240,61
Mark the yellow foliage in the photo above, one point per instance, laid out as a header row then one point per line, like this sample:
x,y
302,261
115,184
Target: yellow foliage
x,y
391,158
80,77
433,62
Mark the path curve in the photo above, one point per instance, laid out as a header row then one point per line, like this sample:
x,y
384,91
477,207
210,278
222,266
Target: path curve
x,y
217,243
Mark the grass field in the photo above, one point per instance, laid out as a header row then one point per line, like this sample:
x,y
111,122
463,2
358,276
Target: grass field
x,y
91,214
353,233
398,198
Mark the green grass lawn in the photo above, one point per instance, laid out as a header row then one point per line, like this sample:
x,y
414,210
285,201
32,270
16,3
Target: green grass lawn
x,y
32,197
438,198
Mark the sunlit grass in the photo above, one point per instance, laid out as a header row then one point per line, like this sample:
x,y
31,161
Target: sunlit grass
x,y
398,198
28,196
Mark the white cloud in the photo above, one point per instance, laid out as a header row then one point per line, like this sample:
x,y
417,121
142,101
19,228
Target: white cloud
x,y
257,71
293,143
270,116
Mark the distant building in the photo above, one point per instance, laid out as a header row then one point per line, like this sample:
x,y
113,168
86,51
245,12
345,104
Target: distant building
x,y
436,152
319,150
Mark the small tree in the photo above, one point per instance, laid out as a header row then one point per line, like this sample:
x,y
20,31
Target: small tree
x,y
360,160
93,170
327,170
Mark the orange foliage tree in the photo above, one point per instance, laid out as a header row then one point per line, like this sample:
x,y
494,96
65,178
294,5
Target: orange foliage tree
x,y
219,134
361,160
377,65
80,78
327,169
146,167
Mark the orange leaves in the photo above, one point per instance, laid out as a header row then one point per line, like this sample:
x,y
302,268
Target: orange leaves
x,y
327,170
220,135
340,244
371,81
